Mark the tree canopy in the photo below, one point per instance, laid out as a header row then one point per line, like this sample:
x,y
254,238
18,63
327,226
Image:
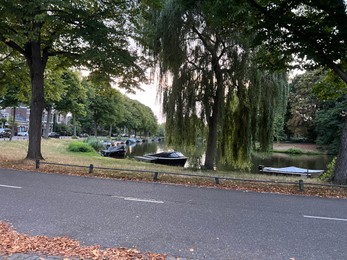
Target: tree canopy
x,y
215,81
313,32
91,33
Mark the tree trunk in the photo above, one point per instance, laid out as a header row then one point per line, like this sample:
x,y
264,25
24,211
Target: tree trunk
x,y
95,129
340,173
47,127
211,148
338,71
74,125
13,123
37,66
110,132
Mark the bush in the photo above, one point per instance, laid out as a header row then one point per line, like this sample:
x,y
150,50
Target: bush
x,y
328,174
294,151
80,147
94,142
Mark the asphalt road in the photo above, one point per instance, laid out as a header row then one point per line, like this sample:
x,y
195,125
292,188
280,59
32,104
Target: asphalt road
x,y
191,222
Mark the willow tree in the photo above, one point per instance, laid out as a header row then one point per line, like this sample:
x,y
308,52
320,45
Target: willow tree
x,y
91,33
214,82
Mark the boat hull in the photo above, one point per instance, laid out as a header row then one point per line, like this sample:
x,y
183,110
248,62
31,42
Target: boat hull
x,y
290,171
119,152
173,162
164,158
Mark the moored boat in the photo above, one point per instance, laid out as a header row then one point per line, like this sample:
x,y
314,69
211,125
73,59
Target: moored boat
x,y
114,151
292,170
173,158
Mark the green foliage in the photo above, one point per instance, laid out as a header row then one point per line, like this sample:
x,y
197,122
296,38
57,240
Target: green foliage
x,y
215,80
303,105
311,30
14,81
93,34
94,142
330,87
160,130
329,124
107,107
80,147
329,173
294,151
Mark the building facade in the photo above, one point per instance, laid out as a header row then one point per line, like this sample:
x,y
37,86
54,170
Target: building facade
x,y
22,115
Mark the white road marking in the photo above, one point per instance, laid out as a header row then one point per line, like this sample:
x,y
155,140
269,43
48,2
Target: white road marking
x,y
325,218
138,199
8,186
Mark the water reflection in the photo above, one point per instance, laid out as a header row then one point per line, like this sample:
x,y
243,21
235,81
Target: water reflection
x,y
196,157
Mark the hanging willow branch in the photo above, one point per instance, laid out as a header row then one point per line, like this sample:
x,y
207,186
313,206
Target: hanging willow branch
x,y
215,85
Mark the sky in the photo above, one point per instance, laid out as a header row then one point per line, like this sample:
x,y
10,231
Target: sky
x,y
149,98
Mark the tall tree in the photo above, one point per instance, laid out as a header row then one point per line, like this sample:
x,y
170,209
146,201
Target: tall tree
x,y
73,98
214,81
91,33
329,121
304,105
311,31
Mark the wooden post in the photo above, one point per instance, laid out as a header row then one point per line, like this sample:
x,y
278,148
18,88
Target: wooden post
x,y
37,164
91,168
155,176
301,185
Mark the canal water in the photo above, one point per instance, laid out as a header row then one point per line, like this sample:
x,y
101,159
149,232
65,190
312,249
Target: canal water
x,y
196,158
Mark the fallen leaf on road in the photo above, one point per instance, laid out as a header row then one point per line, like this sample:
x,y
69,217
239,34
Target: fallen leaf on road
x,y
12,242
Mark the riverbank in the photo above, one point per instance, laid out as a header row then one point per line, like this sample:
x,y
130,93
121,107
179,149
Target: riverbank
x,y
304,147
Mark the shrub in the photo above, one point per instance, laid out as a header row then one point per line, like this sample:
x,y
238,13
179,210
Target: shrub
x,y
80,147
328,174
294,151
94,142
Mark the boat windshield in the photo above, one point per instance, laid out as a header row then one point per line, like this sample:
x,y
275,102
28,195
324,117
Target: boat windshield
x,y
176,155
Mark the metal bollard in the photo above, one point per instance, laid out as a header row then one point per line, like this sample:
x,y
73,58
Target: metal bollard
x,y
155,176
91,168
37,164
301,185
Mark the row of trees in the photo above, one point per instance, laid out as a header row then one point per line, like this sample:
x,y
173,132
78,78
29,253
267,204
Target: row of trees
x,y
93,34
94,106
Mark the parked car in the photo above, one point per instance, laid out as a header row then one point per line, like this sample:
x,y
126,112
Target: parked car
x,y
5,133
54,135
22,134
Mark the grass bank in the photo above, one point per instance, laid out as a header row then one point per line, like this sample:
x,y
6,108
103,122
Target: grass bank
x,y
12,155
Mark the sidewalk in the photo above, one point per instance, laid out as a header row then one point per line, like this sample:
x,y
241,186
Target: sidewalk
x,y
43,257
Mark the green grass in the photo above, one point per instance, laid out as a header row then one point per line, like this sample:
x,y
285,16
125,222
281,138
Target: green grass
x,y
56,151
297,151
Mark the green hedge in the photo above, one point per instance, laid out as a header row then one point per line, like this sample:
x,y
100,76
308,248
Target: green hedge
x,y
94,142
80,147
